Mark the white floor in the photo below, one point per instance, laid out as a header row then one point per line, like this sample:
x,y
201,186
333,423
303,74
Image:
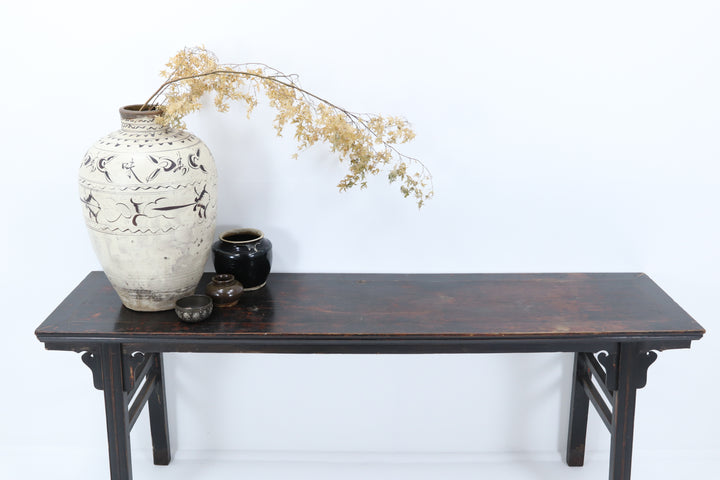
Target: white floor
x,y
212,465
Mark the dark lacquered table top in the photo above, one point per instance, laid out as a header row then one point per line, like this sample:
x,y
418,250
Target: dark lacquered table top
x,y
395,307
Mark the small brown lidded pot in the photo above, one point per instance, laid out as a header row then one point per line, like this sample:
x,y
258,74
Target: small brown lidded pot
x,y
224,290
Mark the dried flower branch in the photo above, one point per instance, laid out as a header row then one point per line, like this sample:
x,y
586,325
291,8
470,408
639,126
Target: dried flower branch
x,y
366,141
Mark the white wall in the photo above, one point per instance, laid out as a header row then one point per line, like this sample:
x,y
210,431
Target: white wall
x,y
562,136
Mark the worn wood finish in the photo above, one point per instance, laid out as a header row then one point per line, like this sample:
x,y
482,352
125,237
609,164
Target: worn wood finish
x,y
435,312
620,317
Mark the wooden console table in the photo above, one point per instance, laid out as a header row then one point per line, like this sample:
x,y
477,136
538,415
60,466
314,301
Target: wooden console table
x,y
614,322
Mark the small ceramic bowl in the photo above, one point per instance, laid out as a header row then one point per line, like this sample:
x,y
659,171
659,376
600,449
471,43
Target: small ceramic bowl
x,y
194,308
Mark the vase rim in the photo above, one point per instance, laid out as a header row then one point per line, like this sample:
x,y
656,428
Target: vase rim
x,y
256,235
129,112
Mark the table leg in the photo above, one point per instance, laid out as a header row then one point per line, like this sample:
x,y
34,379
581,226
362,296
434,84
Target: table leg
x,y
619,374
116,411
579,405
631,371
632,366
157,407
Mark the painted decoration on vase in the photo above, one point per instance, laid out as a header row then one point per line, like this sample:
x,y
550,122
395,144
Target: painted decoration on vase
x,y
149,200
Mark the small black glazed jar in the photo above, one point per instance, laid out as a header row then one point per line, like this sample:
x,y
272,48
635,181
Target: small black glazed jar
x,y
224,290
246,254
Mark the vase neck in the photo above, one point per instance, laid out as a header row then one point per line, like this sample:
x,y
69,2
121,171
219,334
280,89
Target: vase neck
x,y
134,120
140,125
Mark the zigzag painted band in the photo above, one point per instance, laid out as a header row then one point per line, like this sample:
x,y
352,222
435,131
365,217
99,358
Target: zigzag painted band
x,y
129,231
136,188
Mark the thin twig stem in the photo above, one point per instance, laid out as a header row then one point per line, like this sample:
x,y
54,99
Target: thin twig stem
x,y
242,73
414,183
355,118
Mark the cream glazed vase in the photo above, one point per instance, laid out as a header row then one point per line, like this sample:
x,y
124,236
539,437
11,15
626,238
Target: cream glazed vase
x,y
148,194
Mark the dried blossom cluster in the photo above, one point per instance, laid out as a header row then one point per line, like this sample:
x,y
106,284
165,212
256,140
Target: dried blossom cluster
x,y
366,142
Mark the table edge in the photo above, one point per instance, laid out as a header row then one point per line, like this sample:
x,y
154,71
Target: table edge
x,y
373,344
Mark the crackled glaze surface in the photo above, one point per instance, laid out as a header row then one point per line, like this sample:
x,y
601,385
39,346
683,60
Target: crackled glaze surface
x,y
148,195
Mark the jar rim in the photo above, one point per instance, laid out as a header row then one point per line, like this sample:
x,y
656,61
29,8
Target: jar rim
x,y
133,111
253,232
223,278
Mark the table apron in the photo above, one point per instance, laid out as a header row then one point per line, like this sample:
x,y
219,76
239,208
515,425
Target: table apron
x,y
372,346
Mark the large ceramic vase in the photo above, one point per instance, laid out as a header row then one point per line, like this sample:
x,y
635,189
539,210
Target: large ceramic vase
x,y
149,199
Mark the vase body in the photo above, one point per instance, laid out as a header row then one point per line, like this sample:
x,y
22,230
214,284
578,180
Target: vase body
x,y
246,254
149,200
224,290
